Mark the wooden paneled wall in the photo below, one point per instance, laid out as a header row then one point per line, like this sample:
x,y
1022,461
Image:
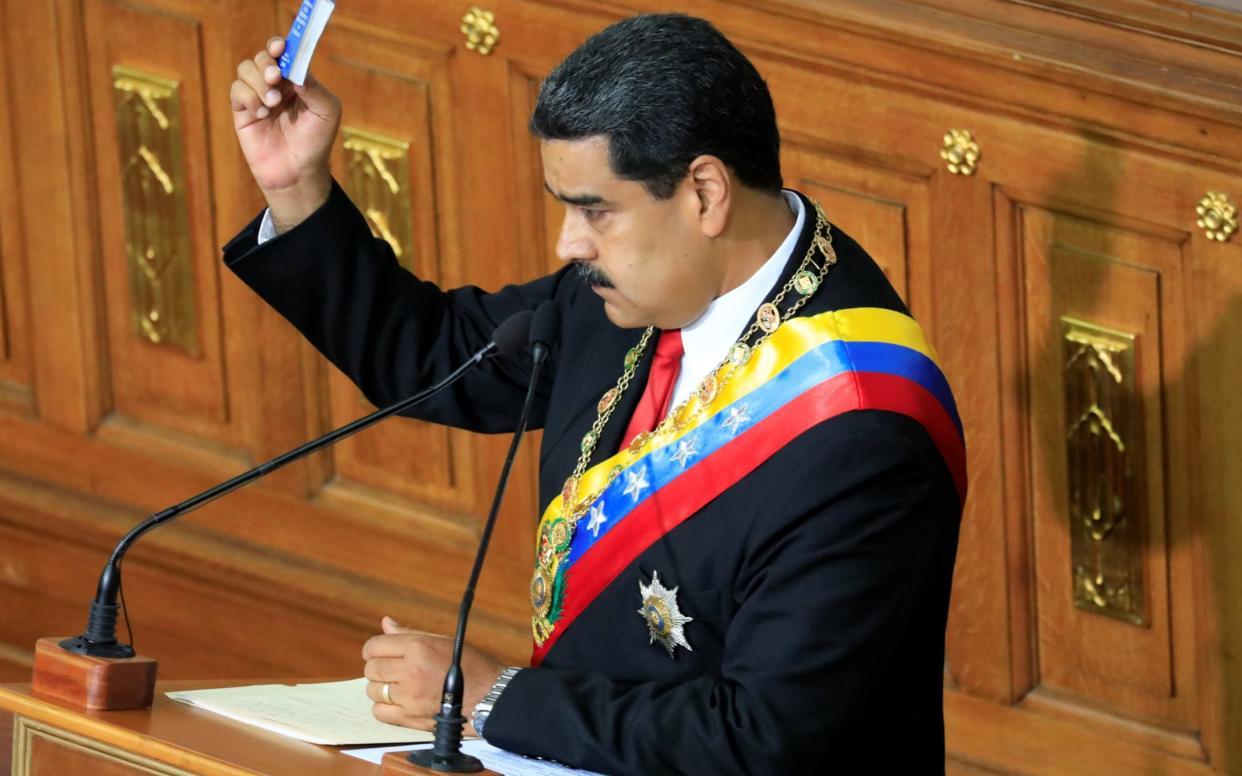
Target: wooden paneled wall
x,y
1048,184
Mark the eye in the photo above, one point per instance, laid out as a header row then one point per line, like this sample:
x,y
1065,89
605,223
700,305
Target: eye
x,y
591,215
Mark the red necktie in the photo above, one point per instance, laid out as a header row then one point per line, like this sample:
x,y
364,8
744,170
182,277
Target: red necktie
x,y
658,395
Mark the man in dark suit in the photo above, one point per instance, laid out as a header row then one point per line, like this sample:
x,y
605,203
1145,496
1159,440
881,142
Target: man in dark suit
x,y
752,466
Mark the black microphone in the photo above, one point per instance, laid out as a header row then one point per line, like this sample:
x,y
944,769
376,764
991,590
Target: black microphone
x,y
445,753
99,640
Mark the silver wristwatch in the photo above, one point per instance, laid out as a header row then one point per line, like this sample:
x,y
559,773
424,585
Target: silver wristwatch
x,y
484,707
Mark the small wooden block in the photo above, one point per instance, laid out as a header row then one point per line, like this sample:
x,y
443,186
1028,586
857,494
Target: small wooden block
x,y
397,764
92,682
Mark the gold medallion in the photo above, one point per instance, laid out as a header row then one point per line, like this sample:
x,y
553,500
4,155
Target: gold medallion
x,y
805,282
588,441
558,534
825,247
707,389
541,629
631,357
740,354
768,316
637,442
541,592
569,490
607,400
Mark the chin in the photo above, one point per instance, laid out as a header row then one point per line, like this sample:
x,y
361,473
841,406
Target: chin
x,y
625,319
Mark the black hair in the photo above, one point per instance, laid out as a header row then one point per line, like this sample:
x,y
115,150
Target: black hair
x,y
664,89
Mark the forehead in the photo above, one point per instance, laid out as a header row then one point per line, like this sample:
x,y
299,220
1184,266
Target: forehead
x,y
578,167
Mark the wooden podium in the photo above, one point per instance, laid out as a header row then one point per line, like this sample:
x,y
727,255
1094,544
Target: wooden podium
x,y
45,737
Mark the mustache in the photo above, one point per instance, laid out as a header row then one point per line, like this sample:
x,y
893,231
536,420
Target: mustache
x,y
591,275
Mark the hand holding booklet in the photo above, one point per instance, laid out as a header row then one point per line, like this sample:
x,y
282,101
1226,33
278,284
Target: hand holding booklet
x,y
304,34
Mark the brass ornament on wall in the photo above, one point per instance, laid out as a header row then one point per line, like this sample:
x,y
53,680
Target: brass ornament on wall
x,y
377,178
1103,451
153,200
1218,216
479,27
960,151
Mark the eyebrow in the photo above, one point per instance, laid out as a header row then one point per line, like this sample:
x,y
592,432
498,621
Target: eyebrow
x,y
581,200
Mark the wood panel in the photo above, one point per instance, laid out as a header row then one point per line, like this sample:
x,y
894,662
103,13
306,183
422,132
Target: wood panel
x,y
1129,283
1213,372
14,342
173,386
65,365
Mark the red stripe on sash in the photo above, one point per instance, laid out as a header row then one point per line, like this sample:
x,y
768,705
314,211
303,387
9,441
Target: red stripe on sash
x,y
883,391
681,498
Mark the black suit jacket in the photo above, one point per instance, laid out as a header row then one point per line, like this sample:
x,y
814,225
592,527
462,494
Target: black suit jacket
x,y
818,584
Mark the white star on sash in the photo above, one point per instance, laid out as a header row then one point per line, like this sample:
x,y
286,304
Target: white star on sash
x,y
635,484
737,416
597,520
685,451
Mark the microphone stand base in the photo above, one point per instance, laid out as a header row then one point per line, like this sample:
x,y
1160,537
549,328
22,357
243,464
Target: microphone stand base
x,y
92,682
419,762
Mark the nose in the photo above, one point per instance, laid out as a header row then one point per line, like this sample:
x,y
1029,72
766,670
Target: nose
x,y
574,242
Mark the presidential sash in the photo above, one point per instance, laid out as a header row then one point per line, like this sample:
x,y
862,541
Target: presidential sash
x,y
811,369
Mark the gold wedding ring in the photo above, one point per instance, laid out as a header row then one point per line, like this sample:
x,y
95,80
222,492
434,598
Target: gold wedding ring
x,y
386,693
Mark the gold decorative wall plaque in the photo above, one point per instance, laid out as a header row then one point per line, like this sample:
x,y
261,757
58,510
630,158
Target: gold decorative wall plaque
x,y
960,151
153,200
1103,456
479,27
377,177
1218,216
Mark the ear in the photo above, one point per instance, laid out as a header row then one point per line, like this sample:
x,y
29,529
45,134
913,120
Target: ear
x,y
713,188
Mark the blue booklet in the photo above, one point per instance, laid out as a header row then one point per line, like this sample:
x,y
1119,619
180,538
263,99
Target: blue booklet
x,y
304,34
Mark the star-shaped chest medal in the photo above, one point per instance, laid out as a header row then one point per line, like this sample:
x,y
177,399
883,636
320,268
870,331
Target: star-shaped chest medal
x,y
665,622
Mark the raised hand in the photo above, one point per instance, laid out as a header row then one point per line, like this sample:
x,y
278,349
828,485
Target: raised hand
x,y
286,133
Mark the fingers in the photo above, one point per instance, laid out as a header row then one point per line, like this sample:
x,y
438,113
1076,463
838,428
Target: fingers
x,y
243,98
394,715
375,691
389,625
387,669
386,645
265,77
259,87
275,46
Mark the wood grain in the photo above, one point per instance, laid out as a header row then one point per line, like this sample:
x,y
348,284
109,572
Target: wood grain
x,y
1101,126
91,682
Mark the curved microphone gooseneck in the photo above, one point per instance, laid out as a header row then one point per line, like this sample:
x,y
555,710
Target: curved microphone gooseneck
x,y
99,640
445,753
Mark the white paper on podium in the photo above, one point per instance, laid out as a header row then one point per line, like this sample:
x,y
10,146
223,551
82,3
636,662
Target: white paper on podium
x,y
498,760
331,713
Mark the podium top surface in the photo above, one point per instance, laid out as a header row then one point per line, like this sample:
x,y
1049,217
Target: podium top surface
x,y
172,734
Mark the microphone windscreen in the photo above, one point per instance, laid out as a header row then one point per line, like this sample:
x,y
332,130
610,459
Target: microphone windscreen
x,y
513,333
545,329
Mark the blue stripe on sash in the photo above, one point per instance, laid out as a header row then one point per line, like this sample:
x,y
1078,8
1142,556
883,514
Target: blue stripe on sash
x,y
832,358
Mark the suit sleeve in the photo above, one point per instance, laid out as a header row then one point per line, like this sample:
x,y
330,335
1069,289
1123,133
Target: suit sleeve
x,y
388,331
828,596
